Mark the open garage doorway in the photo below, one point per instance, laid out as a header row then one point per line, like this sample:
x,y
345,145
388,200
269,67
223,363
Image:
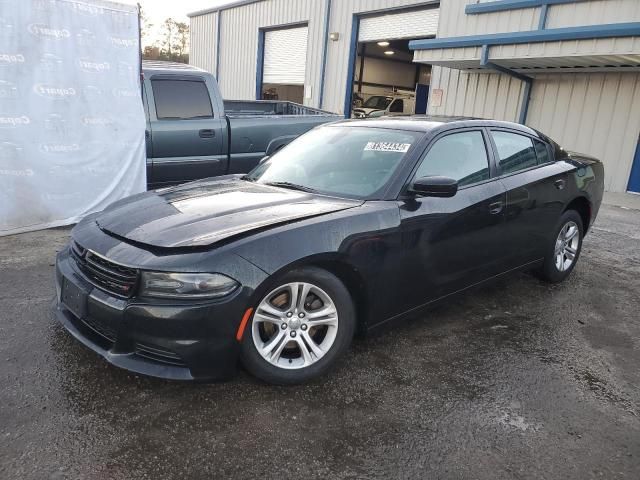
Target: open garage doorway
x,y
383,79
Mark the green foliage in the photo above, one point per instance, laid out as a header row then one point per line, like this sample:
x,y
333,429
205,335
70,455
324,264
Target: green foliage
x,y
173,44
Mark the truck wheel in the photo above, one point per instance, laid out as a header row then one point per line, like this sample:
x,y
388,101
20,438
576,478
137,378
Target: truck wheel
x,y
564,249
300,327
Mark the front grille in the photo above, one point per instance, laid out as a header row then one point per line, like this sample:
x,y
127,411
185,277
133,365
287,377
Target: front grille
x,y
158,354
103,273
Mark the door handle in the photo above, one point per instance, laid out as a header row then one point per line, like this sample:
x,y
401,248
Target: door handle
x,y
559,184
147,134
495,208
207,133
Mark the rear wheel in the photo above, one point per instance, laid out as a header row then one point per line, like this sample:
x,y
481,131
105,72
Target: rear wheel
x,y
300,328
563,252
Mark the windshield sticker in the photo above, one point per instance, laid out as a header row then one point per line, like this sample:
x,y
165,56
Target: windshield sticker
x,y
386,147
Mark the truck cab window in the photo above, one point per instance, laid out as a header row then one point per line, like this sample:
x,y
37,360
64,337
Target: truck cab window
x,y
181,99
397,106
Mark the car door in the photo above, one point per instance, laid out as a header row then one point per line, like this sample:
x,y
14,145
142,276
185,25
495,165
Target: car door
x,y
448,244
187,137
536,194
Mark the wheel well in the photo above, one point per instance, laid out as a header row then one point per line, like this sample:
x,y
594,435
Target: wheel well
x,y
352,280
583,207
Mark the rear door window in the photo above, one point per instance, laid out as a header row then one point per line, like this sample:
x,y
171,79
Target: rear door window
x,y
181,99
461,156
515,151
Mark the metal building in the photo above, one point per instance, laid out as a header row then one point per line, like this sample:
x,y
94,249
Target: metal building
x,y
570,68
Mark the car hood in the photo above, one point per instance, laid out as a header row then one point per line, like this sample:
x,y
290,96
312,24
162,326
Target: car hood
x,y
203,213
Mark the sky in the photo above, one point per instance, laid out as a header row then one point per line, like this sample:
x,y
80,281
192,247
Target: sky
x,y
159,10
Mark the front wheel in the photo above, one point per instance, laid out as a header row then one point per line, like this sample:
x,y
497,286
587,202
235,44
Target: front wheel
x,y
300,328
562,254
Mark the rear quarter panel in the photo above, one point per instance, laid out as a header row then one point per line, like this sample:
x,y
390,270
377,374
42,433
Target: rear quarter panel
x,y
586,180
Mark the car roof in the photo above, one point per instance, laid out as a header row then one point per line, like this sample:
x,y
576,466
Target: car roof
x,y
428,123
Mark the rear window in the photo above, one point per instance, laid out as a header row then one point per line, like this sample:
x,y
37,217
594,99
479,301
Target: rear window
x,y
181,99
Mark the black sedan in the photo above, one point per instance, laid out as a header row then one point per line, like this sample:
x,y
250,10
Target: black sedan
x,y
352,225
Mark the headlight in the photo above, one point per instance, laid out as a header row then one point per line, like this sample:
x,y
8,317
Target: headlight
x,y
186,285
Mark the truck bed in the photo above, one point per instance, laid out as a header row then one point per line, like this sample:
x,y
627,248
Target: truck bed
x,y
237,108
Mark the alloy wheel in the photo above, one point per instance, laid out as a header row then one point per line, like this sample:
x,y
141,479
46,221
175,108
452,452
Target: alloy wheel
x,y
567,245
295,325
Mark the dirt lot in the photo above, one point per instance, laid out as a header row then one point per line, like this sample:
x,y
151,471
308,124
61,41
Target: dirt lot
x,y
516,380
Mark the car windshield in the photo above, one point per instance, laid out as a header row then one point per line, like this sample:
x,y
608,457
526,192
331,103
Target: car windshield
x,y
337,160
377,102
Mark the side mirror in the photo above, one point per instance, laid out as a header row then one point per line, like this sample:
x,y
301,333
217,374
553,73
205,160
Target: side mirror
x,y
434,186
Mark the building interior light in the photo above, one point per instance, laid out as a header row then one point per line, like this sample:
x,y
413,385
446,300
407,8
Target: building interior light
x,y
389,52
383,44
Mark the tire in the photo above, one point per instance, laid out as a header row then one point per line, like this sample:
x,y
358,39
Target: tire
x,y
553,270
281,329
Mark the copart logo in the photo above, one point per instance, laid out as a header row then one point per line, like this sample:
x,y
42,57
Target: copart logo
x,y
59,147
85,9
92,66
11,58
14,121
125,93
124,42
54,92
45,31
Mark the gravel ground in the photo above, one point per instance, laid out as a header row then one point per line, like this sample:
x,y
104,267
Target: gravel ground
x,y
515,380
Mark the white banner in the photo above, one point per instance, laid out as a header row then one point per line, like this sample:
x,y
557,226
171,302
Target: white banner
x,y
71,118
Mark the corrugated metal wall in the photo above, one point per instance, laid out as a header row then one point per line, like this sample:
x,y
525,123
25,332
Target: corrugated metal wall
x,y
239,43
596,113
338,52
484,95
203,41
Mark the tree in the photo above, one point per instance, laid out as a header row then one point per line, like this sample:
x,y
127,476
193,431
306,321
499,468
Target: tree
x,y
182,38
174,44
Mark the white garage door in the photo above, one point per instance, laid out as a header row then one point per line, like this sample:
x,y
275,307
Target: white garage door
x,y
285,56
393,26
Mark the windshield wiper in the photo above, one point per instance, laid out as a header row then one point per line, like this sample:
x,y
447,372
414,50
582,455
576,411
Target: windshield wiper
x,y
292,186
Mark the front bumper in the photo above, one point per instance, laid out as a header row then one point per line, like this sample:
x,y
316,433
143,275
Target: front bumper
x,y
178,341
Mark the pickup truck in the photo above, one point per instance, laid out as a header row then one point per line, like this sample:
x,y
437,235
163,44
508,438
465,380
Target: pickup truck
x,y
386,105
193,133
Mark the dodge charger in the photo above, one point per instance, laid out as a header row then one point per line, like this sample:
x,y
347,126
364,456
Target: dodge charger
x,y
351,226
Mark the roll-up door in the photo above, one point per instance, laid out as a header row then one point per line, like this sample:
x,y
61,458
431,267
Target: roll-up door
x,y
394,26
285,56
